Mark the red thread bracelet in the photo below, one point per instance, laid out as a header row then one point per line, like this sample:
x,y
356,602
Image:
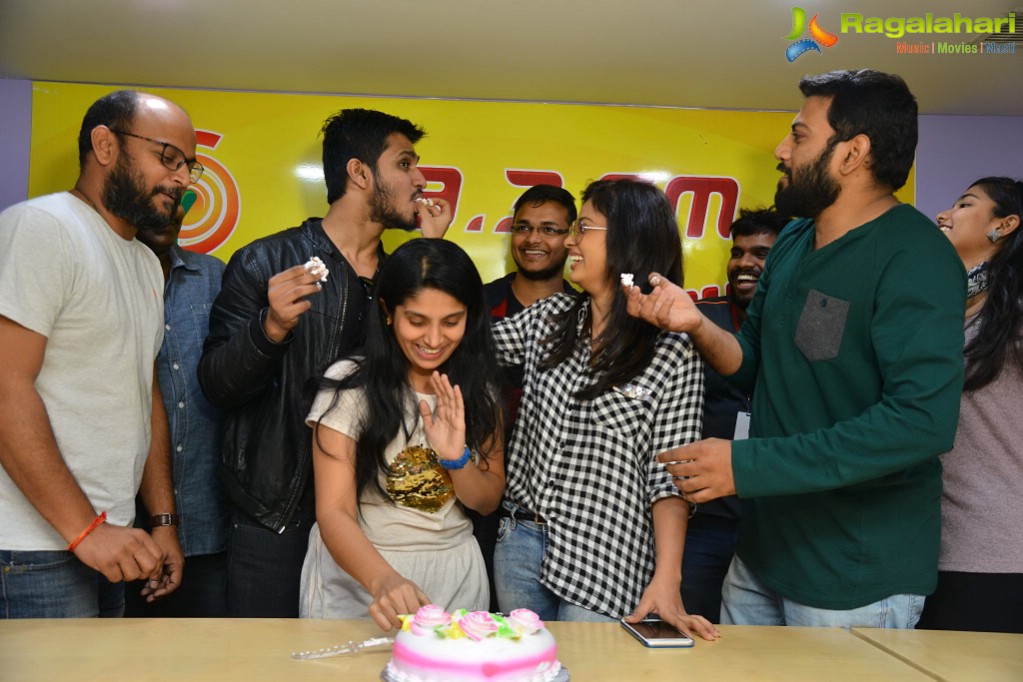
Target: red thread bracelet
x,y
102,518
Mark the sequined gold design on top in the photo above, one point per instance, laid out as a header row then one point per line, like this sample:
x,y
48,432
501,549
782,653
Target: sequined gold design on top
x,y
416,480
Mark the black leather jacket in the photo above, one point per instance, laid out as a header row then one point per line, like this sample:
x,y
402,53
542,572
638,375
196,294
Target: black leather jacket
x,y
263,387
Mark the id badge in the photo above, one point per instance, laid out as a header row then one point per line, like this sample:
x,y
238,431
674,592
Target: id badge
x,y
741,426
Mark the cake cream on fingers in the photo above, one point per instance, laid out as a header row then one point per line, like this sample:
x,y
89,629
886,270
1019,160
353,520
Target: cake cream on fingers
x,y
317,268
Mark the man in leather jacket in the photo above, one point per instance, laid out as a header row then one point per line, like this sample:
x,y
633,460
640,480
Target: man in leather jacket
x,y
276,326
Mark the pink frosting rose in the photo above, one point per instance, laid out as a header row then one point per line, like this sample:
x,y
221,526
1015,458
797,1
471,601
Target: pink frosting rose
x,y
427,618
525,621
477,625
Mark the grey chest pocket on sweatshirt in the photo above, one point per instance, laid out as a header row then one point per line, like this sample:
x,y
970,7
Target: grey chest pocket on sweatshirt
x,y
821,326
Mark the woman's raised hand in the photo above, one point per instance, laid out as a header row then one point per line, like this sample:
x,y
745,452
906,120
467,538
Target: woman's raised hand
x,y
446,427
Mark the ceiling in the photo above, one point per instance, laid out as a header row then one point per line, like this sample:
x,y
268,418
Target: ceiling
x,y
726,54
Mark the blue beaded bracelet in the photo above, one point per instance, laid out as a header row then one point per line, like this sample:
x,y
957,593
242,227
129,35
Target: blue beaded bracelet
x,y
455,464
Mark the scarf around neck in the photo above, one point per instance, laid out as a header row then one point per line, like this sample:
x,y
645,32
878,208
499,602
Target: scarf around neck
x,y
976,280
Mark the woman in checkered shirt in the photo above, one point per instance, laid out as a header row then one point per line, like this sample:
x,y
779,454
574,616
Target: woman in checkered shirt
x,y
594,527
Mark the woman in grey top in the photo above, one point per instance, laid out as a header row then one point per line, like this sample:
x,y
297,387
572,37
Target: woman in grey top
x,y
980,578
399,452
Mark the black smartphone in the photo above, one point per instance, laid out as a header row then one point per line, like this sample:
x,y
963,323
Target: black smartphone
x,y
655,633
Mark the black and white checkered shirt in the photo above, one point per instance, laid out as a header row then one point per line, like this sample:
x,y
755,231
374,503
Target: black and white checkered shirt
x,y
588,466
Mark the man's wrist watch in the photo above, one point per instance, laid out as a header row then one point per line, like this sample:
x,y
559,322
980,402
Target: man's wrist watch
x,y
163,520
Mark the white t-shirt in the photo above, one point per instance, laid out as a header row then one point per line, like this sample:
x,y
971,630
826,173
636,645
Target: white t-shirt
x,y
98,300
420,512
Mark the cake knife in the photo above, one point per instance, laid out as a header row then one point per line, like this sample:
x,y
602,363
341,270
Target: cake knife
x,y
340,649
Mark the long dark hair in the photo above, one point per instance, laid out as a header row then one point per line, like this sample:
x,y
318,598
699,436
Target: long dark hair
x,y
1001,317
383,370
642,237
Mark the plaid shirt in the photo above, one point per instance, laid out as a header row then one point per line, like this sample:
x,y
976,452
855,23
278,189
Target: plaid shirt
x,y
588,466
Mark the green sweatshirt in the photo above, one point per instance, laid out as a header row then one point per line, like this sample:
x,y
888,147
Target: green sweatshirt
x,y
857,353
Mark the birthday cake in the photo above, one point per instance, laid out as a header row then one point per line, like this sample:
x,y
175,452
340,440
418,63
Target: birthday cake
x,y
436,646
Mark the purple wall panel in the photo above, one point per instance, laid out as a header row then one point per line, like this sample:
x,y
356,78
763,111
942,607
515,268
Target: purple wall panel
x,y
15,140
956,150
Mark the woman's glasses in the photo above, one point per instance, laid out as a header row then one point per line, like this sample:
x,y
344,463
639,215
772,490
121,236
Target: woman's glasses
x,y
577,230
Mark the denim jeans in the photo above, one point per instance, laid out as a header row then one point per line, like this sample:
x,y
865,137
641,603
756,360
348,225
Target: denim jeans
x,y
521,546
264,568
55,584
747,601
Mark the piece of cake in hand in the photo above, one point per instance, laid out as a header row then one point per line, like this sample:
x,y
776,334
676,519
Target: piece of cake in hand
x,y
478,646
317,268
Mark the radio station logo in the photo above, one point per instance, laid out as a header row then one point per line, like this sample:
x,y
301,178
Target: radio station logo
x,y
218,206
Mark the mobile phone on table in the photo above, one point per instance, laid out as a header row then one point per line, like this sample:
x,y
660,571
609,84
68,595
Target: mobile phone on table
x,y
655,633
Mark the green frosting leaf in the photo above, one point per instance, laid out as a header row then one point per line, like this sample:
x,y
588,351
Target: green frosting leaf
x,y
503,629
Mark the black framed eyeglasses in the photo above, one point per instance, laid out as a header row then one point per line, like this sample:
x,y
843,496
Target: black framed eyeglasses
x,y
172,157
578,230
523,229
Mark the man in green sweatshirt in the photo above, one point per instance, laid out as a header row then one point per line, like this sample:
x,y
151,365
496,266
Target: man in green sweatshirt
x,y
854,341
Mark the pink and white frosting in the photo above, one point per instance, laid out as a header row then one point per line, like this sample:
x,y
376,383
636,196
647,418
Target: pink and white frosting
x,y
436,646
526,622
477,625
428,618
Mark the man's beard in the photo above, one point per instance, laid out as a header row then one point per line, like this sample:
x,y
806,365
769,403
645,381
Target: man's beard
x,y
126,197
381,209
810,190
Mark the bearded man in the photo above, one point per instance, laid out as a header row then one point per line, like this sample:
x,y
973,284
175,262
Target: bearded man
x,y
854,342
82,425
275,326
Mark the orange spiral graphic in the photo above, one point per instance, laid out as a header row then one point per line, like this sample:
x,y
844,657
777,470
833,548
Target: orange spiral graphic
x,y
214,216
820,35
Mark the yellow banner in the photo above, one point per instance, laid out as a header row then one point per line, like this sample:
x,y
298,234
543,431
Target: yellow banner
x,y
262,154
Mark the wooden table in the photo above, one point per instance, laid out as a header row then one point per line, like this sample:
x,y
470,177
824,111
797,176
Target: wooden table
x,y
946,655
593,651
186,650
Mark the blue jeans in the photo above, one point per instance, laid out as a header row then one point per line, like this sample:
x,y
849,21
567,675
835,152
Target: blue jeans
x,y
264,568
521,546
55,584
747,601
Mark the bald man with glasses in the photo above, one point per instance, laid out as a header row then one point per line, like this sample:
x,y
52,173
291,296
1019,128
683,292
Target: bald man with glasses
x,y
82,425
